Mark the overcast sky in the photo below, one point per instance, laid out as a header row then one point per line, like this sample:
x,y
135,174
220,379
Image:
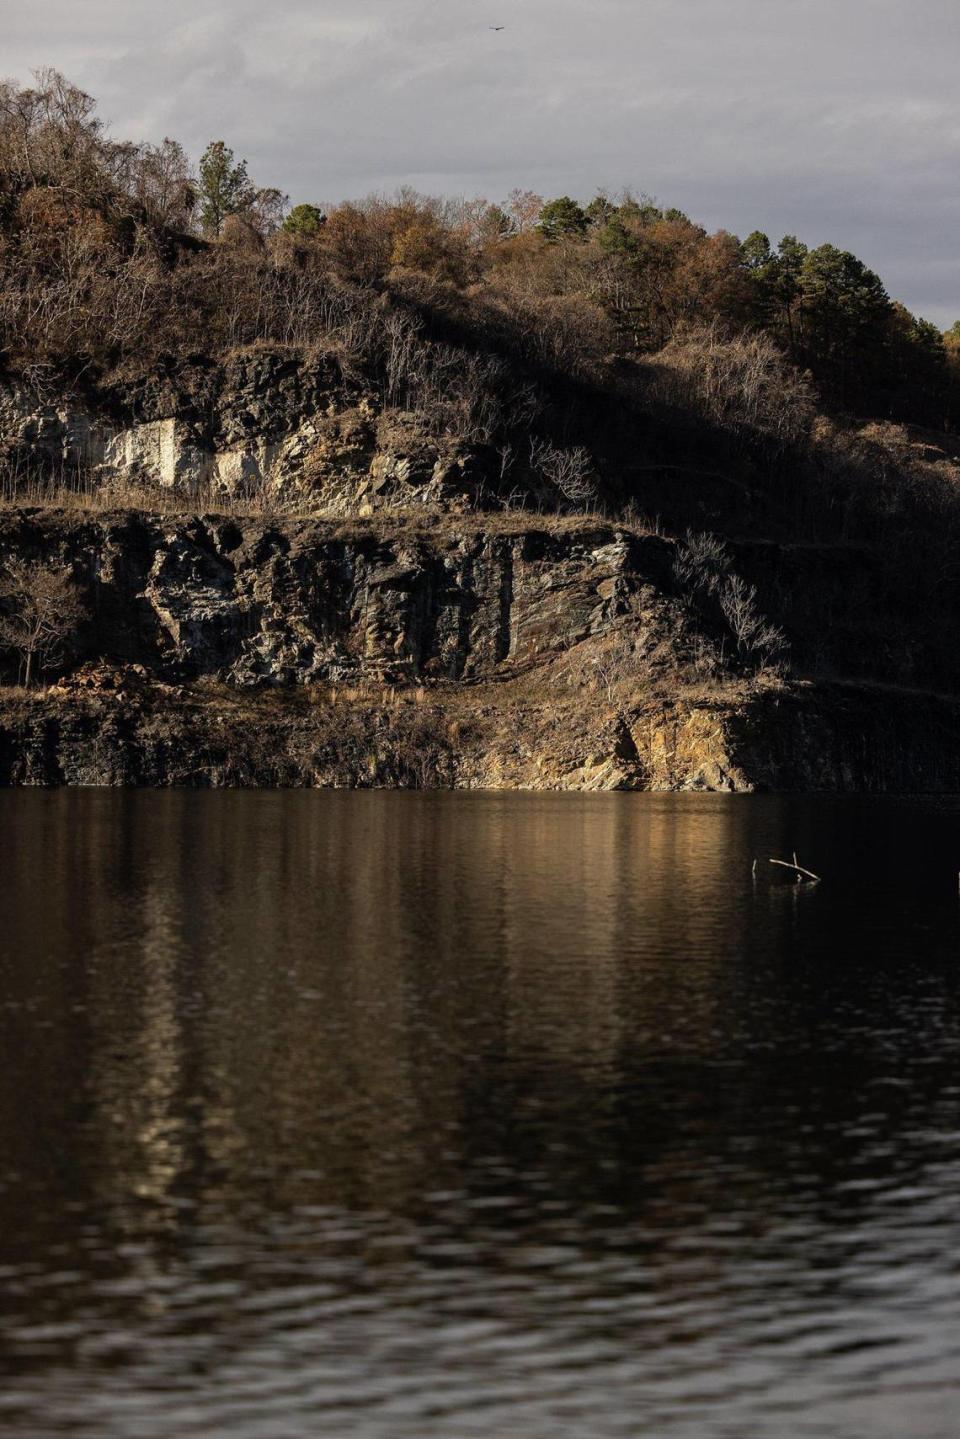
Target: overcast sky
x,y
833,119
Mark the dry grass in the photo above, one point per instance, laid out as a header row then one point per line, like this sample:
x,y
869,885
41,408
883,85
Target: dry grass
x,y
84,493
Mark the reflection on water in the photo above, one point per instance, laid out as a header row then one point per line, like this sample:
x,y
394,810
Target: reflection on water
x,y
391,1115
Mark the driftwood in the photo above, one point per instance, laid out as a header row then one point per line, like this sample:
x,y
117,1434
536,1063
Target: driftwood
x,y
798,869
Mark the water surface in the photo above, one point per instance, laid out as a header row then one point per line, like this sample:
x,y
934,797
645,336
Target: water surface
x,y
449,1116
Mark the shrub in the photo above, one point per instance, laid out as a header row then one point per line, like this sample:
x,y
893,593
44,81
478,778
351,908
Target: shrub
x,y
569,471
40,610
702,566
744,385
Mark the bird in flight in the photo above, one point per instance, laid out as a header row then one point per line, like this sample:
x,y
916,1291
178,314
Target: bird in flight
x,y
498,27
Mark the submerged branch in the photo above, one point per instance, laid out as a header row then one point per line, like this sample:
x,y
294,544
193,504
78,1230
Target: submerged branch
x,y
798,869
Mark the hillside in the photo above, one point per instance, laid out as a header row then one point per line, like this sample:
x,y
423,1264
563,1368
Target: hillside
x,y
409,493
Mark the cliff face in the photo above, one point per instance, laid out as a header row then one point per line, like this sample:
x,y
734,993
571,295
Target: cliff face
x,y
268,432
253,602
468,653
262,424
427,633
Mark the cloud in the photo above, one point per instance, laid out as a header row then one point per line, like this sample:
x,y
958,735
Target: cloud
x,y
833,120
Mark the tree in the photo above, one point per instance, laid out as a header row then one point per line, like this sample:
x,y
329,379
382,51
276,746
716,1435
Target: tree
x,y
266,210
774,278
523,207
40,609
162,182
495,225
225,188
914,380
306,220
464,217
845,314
420,242
645,210
600,212
663,273
562,217
51,137
756,252
358,241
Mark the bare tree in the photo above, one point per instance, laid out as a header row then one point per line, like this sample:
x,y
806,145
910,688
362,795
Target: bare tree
x,y
570,471
703,566
701,562
40,609
738,601
523,207
161,180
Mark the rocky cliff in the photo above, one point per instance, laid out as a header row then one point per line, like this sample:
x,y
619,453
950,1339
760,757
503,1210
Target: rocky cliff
x,y
287,581
250,601
472,652
261,424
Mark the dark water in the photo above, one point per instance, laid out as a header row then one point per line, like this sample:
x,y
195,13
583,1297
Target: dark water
x,y
518,1117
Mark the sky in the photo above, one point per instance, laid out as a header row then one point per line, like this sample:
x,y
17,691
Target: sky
x,y
835,120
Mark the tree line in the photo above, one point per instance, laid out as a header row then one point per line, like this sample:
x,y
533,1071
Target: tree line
x,y
92,230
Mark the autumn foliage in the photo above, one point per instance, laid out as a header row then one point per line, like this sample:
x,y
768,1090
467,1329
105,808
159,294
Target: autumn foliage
x,y
113,252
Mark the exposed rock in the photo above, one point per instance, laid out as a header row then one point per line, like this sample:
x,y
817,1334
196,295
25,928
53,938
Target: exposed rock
x,y
261,424
804,739
250,602
541,653
558,656
114,681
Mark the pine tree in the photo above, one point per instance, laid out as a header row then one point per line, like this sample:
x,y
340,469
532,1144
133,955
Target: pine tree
x,y
225,188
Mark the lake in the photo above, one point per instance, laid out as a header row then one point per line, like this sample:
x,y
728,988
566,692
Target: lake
x,y
443,1116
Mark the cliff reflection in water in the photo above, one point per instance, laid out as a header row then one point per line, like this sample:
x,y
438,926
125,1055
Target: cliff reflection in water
x,y
316,1077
